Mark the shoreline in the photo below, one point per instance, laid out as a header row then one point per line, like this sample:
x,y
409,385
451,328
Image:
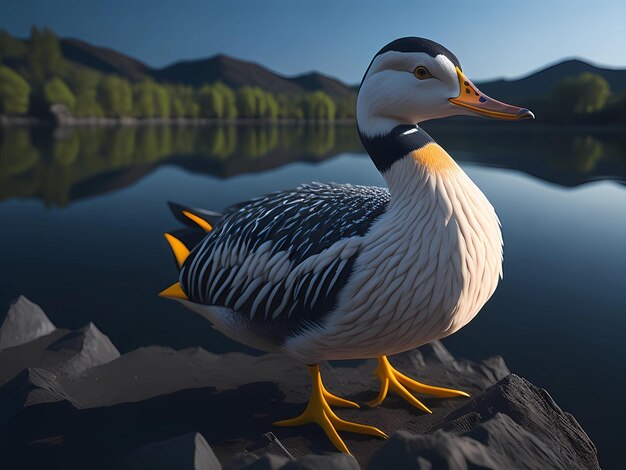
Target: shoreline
x,y
32,121
7,122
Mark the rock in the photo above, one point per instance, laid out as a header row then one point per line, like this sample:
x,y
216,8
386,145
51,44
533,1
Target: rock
x,y
563,443
267,462
446,369
189,451
513,424
68,397
61,114
25,321
271,445
329,461
63,352
90,348
240,460
425,451
31,387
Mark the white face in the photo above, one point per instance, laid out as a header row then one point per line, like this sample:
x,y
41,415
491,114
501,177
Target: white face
x,y
391,94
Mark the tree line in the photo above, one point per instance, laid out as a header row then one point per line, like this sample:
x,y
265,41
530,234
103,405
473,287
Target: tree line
x,y
586,98
34,75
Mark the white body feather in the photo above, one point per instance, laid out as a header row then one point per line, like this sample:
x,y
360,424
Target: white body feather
x,y
424,270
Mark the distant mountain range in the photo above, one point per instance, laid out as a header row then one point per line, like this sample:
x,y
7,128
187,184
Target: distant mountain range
x,y
540,83
236,73
233,72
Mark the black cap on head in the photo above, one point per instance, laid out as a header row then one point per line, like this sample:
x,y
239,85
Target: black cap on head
x,y
413,44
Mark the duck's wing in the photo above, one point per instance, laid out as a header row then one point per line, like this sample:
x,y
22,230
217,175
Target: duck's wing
x,y
283,258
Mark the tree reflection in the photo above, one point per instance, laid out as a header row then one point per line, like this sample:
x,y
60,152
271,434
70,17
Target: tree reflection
x,y
47,165
586,152
76,155
17,153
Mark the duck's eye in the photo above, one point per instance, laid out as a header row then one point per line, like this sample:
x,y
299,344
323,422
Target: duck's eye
x,y
421,73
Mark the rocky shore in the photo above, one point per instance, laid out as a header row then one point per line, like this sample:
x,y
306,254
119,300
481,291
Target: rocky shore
x,y
68,399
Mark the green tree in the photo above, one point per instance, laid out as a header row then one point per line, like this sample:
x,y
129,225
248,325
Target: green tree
x,y
14,92
44,55
247,102
260,102
211,102
586,93
57,92
116,96
271,107
85,85
161,101
143,100
320,107
229,99
11,48
183,102
290,107
346,107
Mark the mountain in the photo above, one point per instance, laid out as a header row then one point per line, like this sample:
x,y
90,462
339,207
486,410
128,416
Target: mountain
x,y
104,59
539,84
237,73
233,72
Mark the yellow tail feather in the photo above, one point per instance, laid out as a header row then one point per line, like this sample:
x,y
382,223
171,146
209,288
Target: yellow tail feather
x,y
199,221
174,292
180,250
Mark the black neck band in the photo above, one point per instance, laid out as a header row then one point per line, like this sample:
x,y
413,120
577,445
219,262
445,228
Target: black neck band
x,y
385,150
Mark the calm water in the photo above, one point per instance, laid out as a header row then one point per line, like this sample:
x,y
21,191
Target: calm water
x,y
83,212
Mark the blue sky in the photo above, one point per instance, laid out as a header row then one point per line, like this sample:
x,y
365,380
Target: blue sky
x,y
491,38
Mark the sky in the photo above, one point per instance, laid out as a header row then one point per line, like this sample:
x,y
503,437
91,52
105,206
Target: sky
x,y
491,38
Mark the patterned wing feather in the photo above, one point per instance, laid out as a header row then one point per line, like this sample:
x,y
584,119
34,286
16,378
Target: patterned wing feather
x,y
283,258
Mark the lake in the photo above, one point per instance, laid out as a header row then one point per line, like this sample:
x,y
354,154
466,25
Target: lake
x,y
83,212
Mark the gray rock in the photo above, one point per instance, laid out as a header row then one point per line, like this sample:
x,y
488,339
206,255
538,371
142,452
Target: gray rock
x,y
187,452
404,451
25,321
62,352
102,404
267,462
31,387
240,460
90,348
462,373
511,425
328,461
271,445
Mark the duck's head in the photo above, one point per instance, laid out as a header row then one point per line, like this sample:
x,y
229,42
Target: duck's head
x,y
412,80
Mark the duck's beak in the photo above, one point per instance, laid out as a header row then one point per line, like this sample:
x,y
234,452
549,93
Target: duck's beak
x,y
480,104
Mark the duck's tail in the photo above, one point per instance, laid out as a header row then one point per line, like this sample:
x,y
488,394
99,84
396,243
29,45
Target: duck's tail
x,y
198,223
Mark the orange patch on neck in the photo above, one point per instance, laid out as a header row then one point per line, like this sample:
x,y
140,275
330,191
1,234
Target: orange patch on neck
x,y
434,158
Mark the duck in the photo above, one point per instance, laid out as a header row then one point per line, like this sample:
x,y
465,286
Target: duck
x,y
333,271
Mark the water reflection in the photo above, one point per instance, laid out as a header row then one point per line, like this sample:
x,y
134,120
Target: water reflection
x,y
67,164
567,157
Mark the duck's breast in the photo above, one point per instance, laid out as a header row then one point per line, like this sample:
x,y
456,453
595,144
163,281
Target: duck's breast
x,y
425,269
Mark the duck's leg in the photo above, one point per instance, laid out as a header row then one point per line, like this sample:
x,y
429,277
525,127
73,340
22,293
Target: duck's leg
x,y
390,378
318,411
